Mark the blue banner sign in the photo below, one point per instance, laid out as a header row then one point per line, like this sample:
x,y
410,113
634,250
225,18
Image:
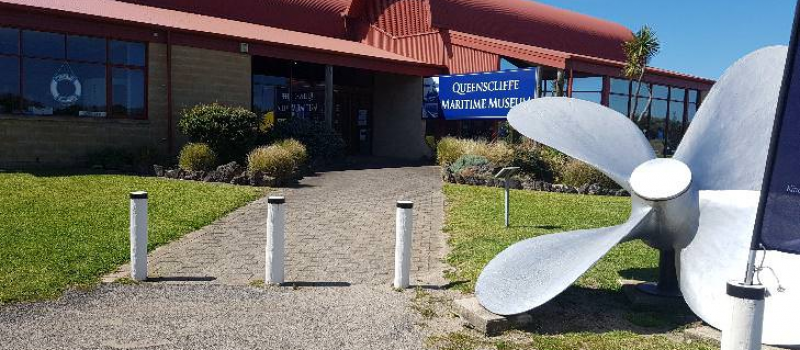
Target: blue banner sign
x,y
778,221
488,95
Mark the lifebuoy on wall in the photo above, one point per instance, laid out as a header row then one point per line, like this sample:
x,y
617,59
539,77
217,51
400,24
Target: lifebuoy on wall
x,y
65,99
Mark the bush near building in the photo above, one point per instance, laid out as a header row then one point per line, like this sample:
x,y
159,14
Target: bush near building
x,y
196,157
282,161
229,131
475,162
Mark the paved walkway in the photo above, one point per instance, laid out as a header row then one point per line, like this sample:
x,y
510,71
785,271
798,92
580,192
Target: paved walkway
x,y
340,227
340,246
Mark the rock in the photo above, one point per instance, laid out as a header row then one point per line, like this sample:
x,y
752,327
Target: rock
x,y
173,173
226,172
194,175
240,179
514,183
583,189
212,176
594,189
546,186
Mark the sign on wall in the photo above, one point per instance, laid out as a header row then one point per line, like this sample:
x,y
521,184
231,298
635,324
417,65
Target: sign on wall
x,y
488,95
778,225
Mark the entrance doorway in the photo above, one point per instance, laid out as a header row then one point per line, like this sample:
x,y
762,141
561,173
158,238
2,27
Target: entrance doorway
x,y
352,118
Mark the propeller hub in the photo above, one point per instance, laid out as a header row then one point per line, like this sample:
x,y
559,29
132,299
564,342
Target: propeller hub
x,y
661,179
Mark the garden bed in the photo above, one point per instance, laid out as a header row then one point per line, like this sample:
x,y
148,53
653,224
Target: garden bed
x,y
527,183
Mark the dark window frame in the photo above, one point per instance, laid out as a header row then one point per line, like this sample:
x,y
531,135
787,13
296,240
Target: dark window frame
x,y
109,67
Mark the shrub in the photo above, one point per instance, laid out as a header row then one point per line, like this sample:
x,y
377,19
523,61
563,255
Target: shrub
x,y
576,173
323,144
450,149
297,149
466,161
498,153
197,156
274,161
229,131
529,156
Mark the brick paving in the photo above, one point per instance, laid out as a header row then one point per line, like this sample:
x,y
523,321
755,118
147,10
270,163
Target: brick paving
x,y
339,228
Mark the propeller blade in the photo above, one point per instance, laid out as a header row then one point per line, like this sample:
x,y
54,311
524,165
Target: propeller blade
x,y
726,144
531,272
596,135
719,253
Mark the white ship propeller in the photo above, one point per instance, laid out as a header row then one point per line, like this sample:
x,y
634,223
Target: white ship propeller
x,y
701,203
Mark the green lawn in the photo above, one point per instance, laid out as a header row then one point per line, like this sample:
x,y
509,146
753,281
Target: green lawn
x,y
593,313
61,231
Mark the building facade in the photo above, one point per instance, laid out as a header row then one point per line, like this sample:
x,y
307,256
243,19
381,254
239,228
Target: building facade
x,y
82,76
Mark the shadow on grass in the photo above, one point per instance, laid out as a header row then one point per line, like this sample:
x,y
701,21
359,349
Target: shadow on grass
x,y
450,285
583,310
640,274
64,172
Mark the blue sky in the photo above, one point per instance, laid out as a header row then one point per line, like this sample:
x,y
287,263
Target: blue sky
x,y
700,37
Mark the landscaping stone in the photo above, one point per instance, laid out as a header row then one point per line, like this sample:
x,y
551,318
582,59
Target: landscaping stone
x,y
486,322
478,176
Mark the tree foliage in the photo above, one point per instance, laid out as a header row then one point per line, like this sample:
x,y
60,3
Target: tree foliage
x,y
639,51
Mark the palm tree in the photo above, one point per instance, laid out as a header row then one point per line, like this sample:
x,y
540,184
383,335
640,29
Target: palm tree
x,y
639,50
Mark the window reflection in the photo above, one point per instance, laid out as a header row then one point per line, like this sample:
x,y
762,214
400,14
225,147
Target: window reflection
x,y
9,84
9,41
68,75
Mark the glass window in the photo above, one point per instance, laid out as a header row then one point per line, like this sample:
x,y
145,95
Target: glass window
x,y
9,84
588,96
693,96
642,92
691,112
678,94
640,107
661,92
657,129
84,48
127,86
620,86
9,41
59,88
42,44
587,84
127,53
619,104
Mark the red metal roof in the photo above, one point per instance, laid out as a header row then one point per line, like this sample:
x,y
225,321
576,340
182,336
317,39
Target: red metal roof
x,y
532,23
241,31
323,17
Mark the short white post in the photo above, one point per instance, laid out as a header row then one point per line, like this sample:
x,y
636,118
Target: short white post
x,y
138,231
743,332
404,227
276,220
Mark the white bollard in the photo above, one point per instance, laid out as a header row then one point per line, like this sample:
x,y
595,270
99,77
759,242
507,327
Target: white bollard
x,y
746,324
138,230
276,219
402,250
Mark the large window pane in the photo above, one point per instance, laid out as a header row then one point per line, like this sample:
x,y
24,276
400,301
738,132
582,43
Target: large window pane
x,y
587,84
127,92
9,84
692,111
588,96
127,53
42,44
619,103
83,48
657,131
620,86
640,107
660,91
693,96
56,88
678,94
9,41
643,92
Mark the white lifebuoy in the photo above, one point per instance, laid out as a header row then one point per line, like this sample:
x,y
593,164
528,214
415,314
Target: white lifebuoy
x,y
66,99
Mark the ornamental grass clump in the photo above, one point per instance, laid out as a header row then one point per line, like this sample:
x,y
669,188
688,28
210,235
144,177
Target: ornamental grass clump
x,y
450,149
273,161
197,157
297,149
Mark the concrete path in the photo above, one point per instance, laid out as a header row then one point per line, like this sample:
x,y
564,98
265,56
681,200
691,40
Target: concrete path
x,y
340,246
